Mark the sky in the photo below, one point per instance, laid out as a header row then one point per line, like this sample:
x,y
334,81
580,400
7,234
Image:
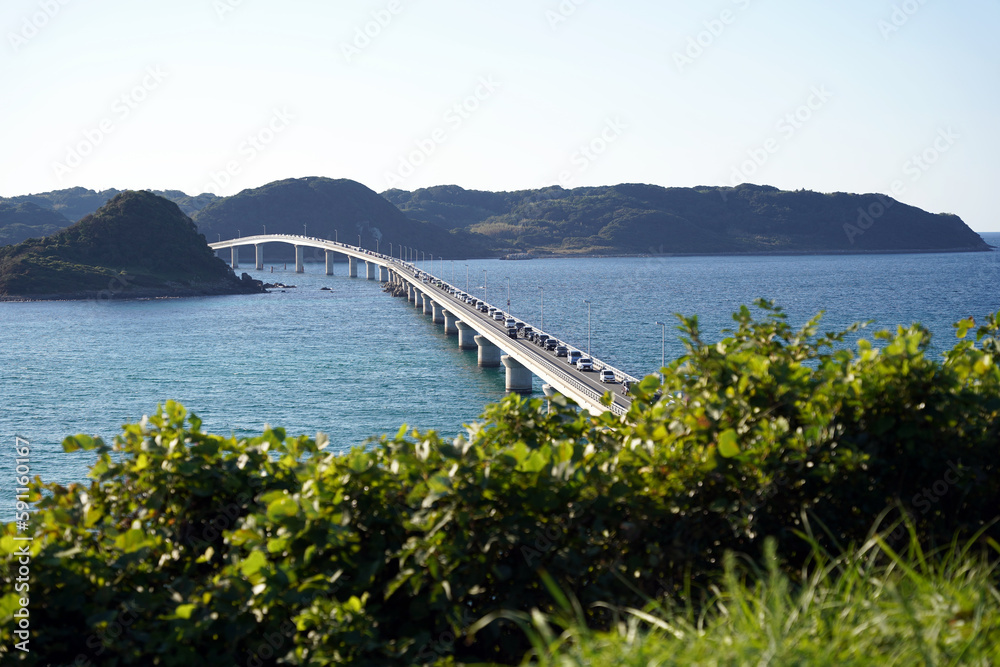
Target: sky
x,y
899,97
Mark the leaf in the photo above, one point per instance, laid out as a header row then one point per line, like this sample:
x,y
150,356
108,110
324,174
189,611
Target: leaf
x,y
185,610
252,564
282,507
728,444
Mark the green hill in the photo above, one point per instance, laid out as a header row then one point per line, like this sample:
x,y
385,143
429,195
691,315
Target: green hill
x,y
637,218
136,245
23,220
329,208
64,207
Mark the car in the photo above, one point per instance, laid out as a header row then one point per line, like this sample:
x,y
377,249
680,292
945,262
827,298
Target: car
x,y
608,376
585,364
498,316
510,322
573,356
540,339
483,308
527,331
561,350
511,332
551,344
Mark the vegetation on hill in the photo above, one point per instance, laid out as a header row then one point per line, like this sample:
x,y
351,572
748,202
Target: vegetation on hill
x,y
636,218
782,445
22,220
328,208
138,244
73,204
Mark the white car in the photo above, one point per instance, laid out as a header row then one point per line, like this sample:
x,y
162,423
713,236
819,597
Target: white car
x,y
498,316
608,376
585,364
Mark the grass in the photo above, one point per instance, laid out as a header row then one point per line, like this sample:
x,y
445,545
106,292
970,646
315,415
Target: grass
x,y
872,606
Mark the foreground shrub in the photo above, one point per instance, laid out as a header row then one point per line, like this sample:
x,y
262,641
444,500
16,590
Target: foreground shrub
x,y
191,548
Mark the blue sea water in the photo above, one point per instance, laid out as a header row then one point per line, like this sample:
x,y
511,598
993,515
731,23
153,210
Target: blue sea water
x,y
355,363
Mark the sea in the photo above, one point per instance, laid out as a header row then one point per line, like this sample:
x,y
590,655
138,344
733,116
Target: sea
x,y
337,355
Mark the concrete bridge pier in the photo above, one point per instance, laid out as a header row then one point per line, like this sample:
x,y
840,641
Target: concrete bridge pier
x,y
300,259
518,377
437,313
428,305
370,270
489,354
260,256
418,299
411,294
449,323
352,266
329,262
383,274
466,336
236,257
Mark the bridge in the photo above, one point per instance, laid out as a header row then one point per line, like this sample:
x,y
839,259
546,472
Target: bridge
x,y
445,305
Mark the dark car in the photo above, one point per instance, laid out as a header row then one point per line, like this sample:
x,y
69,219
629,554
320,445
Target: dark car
x,y
551,344
511,332
561,350
541,338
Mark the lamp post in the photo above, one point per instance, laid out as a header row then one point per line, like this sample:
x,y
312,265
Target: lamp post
x,y
508,295
220,237
663,347
390,248
484,286
335,239
265,230
238,235
376,246
541,307
359,240
466,278
304,232
588,325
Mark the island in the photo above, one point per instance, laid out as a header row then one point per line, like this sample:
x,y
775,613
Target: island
x,y
137,245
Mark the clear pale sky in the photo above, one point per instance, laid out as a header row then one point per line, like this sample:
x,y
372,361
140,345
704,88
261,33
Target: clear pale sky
x,y
223,95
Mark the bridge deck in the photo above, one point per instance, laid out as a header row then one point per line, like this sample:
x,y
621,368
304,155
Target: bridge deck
x,y
584,388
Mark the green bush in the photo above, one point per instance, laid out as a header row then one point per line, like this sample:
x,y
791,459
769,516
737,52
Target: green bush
x,y
191,548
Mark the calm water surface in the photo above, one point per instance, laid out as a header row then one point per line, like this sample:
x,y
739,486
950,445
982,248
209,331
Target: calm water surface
x,y
355,363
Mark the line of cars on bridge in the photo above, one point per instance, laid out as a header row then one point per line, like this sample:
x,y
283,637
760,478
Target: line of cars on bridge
x,y
517,329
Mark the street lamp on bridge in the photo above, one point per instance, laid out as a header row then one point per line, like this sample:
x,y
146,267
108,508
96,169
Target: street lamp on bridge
x,y
484,286
663,347
541,307
588,325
